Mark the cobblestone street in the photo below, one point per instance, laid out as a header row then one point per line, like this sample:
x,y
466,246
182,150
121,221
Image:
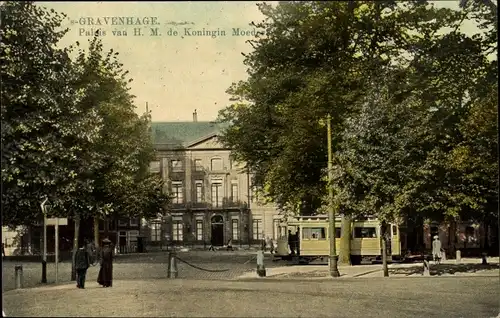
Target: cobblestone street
x,y
143,266
350,297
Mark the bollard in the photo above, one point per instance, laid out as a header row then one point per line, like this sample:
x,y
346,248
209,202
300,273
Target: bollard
x,y
261,269
484,261
19,276
44,272
427,270
172,266
458,256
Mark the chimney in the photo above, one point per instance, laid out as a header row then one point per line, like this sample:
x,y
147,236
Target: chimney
x,y
195,116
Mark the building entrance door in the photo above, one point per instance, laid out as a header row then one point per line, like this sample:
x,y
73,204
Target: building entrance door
x,y
217,230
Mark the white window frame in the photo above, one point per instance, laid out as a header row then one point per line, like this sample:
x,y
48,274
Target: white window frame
x,y
155,167
276,229
155,231
198,165
257,229
134,221
235,190
178,196
199,191
176,165
212,168
199,230
217,201
235,229
177,230
122,222
132,235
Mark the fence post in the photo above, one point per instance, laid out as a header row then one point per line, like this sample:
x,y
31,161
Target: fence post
x,y
172,265
261,269
19,276
458,256
484,261
427,267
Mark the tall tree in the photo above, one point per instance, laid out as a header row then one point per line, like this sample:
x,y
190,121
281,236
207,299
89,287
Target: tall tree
x,y
43,130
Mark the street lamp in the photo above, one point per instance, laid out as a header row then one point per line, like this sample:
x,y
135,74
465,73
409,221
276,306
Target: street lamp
x,y
333,259
45,207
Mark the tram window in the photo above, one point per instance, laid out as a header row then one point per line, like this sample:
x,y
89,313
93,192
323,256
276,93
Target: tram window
x,y
394,230
365,232
337,232
314,233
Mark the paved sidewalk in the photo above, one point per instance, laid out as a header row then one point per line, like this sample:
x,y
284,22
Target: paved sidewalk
x,y
468,267
404,297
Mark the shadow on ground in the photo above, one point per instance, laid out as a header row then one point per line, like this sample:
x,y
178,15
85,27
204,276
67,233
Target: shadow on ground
x,y
444,269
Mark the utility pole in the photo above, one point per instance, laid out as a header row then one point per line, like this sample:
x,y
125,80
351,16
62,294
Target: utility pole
x,y
334,271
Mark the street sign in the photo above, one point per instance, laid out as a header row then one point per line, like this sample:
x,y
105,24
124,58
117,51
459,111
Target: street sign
x,y
53,221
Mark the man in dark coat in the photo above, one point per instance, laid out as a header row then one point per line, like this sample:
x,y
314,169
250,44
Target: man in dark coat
x,y
82,263
105,277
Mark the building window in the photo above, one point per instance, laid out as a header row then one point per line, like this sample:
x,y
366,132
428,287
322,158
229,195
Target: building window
x,y
235,229
199,191
176,165
216,164
177,196
154,167
177,231
276,229
234,193
134,222
365,232
257,227
199,230
155,230
101,225
132,236
198,166
122,222
217,194
470,234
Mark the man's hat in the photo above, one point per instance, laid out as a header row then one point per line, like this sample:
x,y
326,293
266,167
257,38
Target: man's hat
x,y
435,236
106,241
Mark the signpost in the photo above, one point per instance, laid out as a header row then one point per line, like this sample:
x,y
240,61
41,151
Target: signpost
x,y
45,206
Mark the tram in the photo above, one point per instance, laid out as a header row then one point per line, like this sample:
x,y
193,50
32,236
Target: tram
x,y
314,244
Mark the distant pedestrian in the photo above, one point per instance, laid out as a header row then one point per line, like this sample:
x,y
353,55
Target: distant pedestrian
x,y
82,263
436,249
230,245
105,277
3,249
211,248
297,242
291,242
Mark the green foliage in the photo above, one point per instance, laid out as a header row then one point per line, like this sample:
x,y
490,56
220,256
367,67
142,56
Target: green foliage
x,y
405,96
69,127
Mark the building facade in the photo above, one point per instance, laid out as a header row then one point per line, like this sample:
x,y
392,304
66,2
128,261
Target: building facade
x,y
212,201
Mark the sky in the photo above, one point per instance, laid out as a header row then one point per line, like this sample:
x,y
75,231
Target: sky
x,y
175,73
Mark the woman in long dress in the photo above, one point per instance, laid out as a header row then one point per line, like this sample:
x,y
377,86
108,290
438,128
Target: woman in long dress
x,y
105,277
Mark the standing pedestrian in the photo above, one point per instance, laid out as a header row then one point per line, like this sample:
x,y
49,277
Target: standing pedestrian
x,y
3,249
230,245
82,263
291,242
211,248
105,277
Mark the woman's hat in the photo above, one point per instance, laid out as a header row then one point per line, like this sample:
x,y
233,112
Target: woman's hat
x,y
106,241
435,236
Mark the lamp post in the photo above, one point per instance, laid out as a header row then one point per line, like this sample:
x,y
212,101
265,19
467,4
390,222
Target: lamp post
x,y
44,207
333,259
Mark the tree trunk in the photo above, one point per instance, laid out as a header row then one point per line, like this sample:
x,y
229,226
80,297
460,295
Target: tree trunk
x,y
75,246
96,231
383,233
345,241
